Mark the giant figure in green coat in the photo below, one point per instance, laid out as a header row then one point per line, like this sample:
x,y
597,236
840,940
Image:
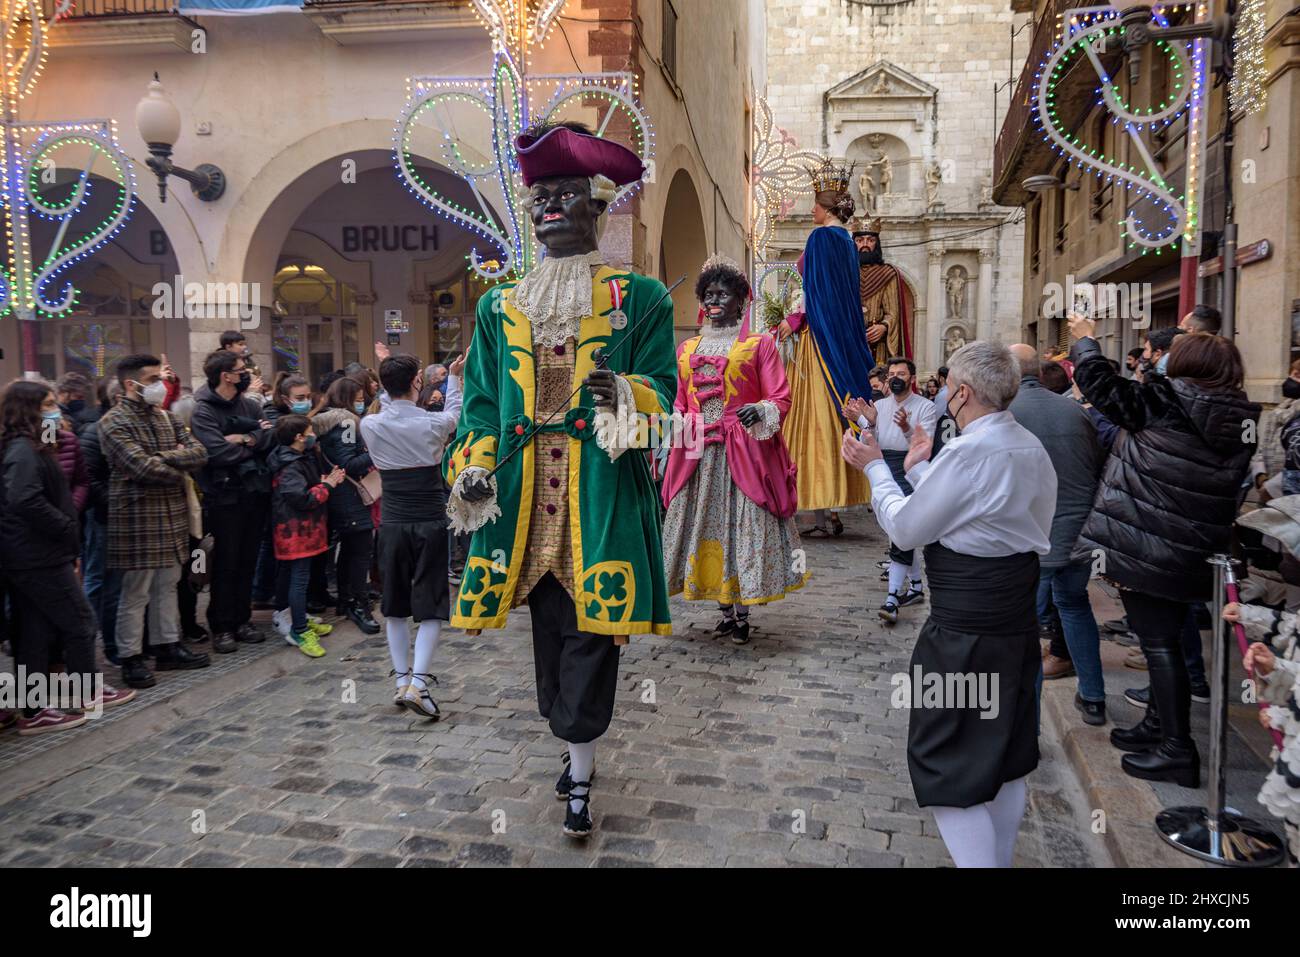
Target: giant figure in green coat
x,y
570,524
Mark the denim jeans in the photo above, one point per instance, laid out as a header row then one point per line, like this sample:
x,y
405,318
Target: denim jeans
x,y
1067,588
103,585
1191,641
264,577
291,590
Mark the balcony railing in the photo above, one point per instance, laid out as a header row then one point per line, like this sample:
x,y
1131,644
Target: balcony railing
x,y
84,9
1018,120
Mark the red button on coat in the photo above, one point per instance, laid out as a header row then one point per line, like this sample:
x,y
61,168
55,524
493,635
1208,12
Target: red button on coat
x,y
519,430
555,483
557,453
559,350
579,424
550,510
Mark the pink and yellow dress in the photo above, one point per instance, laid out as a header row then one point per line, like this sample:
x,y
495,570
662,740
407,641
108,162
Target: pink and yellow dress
x,y
729,535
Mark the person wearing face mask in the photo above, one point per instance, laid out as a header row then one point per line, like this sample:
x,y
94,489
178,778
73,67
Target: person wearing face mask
x,y
983,511
299,521
892,421
1276,466
290,395
38,553
1167,501
729,532
236,487
150,454
1155,352
338,427
75,391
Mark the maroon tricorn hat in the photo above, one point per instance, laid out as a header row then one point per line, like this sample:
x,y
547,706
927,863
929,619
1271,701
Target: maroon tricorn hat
x,y
561,151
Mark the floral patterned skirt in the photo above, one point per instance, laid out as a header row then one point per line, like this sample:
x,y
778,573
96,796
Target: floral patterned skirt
x,y
720,546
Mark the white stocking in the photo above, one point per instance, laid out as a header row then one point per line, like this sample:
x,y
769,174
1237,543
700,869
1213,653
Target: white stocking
x,y
897,578
399,648
426,643
969,835
582,760
1007,810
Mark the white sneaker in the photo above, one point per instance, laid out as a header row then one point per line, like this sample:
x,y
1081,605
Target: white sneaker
x,y
283,622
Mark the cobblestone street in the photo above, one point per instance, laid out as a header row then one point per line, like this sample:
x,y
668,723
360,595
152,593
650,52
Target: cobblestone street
x,y
782,752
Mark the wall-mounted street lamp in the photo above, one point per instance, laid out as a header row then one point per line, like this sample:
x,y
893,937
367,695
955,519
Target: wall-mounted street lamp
x,y
1139,31
159,123
1046,183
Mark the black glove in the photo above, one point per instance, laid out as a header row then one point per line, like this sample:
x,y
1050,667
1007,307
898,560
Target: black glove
x,y
476,489
603,387
749,414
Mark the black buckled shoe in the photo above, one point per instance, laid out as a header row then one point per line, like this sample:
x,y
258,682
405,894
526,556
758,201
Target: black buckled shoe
x,y
359,614
578,823
136,674
740,634
1173,760
565,783
1141,737
176,657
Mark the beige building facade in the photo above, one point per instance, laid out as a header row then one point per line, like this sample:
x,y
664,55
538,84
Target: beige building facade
x,y
1073,232
299,109
904,91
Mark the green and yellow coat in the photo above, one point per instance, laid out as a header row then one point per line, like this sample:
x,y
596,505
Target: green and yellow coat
x,y
614,521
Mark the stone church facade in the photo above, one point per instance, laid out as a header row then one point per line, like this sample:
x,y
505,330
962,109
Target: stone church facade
x,y
904,91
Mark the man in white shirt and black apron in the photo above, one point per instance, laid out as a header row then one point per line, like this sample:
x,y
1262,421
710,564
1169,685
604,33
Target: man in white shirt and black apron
x,y
893,420
983,511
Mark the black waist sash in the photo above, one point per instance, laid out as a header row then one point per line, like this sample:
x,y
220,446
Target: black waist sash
x,y
413,495
988,596
895,459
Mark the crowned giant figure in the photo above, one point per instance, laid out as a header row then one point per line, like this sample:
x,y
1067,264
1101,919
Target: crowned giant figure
x,y
569,523
887,305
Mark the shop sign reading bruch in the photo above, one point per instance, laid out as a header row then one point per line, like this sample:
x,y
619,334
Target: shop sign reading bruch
x,y
390,239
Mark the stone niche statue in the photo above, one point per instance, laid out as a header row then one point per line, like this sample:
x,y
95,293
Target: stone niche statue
x,y
953,340
867,186
955,286
933,177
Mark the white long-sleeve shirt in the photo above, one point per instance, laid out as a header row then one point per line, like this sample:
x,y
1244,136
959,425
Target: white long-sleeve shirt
x,y
404,436
920,411
991,493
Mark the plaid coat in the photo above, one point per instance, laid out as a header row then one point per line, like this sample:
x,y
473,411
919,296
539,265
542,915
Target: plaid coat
x,y
149,454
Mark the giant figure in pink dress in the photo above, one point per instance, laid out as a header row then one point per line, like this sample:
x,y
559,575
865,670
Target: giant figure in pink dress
x,y
729,535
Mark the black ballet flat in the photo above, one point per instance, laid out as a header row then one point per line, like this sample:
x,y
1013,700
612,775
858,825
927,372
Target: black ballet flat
x,y
578,823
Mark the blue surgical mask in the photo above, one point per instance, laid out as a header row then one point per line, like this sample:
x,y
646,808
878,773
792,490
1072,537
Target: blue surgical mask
x,y
359,408
309,441
1162,364
302,407
54,416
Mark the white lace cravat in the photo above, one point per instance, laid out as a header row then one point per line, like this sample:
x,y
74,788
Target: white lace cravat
x,y
556,296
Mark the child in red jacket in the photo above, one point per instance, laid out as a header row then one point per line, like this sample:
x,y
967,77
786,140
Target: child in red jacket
x,y
300,524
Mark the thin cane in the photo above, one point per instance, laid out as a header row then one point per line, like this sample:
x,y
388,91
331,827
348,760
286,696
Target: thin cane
x,y
602,360
1230,586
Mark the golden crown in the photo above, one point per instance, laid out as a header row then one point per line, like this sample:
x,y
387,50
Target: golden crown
x,y
830,177
864,225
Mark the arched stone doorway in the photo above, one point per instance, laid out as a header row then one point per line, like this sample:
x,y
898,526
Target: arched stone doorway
x,y
683,248
354,258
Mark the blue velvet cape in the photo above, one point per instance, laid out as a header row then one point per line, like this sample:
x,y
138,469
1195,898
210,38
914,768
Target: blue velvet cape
x,y
833,307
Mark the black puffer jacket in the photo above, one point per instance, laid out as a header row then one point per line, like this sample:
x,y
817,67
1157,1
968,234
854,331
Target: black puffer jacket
x,y
38,522
1171,487
339,436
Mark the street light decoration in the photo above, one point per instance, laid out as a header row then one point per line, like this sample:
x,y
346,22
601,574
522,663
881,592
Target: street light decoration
x,y
778,175
1247,92
31,186
1087,32
493,111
